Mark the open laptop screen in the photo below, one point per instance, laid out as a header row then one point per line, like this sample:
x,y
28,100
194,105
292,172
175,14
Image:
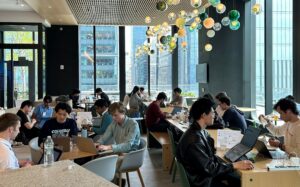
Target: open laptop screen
x,y
250,136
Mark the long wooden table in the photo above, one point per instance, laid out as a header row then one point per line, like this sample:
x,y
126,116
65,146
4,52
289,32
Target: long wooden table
x,y
62,173
259,176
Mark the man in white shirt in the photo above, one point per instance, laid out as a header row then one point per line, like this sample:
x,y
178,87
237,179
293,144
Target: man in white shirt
x,y
9,129
290,130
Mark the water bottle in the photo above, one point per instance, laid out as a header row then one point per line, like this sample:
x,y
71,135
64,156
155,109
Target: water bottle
x,y
84,132
48,152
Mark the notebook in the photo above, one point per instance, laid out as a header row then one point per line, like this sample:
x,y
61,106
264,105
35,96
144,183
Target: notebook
x,y
247,143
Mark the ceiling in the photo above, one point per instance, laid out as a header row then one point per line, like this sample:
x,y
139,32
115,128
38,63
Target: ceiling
x,y
14,5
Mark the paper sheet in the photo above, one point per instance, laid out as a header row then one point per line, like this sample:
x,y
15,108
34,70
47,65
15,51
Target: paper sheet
x,y
228,137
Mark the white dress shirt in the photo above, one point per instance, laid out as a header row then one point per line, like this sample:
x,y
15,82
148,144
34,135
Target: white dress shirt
x,y
8,159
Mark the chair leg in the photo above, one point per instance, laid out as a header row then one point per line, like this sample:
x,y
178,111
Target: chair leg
x,y
127,177
140,176
120,179
174,173
172,165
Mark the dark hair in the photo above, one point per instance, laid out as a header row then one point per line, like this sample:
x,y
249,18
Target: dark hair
x,y
290,97
98,90
8,120
178,90
221,94
225,100
63,106
47,98
26,103
117,106
101,103
134,90
75,91
142,89
209,96
201,106
161,95
286,104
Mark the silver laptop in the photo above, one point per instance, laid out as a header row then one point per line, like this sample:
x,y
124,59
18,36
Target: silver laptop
x,y
87,145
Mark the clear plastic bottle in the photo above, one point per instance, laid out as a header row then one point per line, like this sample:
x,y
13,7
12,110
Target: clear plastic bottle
x,y
48,152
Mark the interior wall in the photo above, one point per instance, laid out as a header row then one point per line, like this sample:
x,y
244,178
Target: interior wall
x,y
225,61
62,60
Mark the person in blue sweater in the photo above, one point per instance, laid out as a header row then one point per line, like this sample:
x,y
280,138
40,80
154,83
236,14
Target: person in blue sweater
x,y
100,125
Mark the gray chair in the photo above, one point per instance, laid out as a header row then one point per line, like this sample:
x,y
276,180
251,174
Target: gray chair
x,y
132,161
184,180
173,147
104,166
35,150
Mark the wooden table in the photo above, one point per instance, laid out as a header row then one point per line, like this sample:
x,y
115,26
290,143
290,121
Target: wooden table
x,y
259,176
62,173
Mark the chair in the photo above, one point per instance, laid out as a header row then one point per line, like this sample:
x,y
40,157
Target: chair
x,y
184,180
104,166
35,150
132,161
174,147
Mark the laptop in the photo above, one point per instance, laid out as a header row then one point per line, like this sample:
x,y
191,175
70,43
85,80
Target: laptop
x,y
63,142
247,143
87,145
57,154
274,154
176,110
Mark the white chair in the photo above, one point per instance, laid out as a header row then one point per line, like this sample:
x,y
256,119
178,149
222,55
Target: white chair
x,y
132,161
35,150
104,166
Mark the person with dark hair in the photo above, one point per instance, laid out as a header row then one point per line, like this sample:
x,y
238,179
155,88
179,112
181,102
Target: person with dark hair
x,y
123,130
218,121
101,95
9,129
43,112
232,117
135,103
218,109
105,119
59,126
74,96
290,97
290,130
155,118
27,130
196,152
143,95
177,98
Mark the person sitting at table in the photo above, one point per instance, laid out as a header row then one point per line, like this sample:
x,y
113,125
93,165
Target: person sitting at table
x,y
27,130
218,109
9,129
142,94
59,126
102,95
124,131
155,118
290,130
177,98
134,103
105,119
196,152
218,121
232,117
74,96
43,112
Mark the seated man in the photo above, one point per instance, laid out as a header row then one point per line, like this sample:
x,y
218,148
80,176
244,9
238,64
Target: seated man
x,y
124,131
27,130
75,99
43,112
101,107
155,118
219,110
232,117
290,130
177,98
9,129
101,95
59,126
195,151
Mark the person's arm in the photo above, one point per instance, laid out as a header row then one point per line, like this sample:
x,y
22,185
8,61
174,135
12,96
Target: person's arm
x,y
29,125
34,113
276,130
106,121
73,128
107,135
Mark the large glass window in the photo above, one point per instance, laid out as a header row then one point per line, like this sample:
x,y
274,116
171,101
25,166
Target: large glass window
x,y
282,48
187,59
260,61
136,66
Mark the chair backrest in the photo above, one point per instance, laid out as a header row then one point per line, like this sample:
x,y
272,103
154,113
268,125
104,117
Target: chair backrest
x,y
104,166
134,159
35,150
171,137
184,180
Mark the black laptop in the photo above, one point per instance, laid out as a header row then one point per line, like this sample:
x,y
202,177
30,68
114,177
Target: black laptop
x,y
57,154
263,150
247,143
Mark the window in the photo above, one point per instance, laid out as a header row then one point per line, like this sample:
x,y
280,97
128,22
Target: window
x,y
187,60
